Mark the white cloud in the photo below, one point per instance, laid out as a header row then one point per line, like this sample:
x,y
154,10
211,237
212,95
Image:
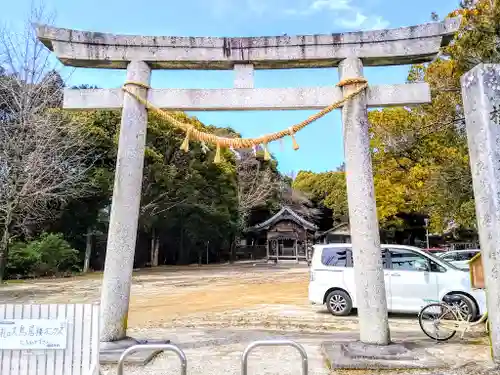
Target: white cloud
x,y
355,23
317,5
379,24
258,7
363,22
321,5
347,14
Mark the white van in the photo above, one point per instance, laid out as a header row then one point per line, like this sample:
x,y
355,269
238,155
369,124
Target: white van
x,y
411,277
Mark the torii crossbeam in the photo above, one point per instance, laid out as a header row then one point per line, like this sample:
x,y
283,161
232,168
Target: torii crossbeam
x,y
347,51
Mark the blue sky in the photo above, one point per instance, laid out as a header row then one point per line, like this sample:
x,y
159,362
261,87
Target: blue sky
x,y
321,143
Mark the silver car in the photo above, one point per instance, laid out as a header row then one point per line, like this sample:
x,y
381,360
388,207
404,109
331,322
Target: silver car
x,y
459,258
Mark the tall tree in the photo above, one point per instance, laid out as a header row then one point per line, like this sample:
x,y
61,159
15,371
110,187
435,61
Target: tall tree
x,y
257,181
42,154
478,40
328,189
420,156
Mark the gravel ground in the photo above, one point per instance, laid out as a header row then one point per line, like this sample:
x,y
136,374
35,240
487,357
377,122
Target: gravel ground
x,y
214,312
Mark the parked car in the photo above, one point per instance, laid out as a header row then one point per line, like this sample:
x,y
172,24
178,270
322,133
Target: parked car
x,y
460,258
435,250
411,276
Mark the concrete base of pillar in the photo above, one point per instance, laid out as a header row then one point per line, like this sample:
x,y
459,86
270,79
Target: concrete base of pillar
x,y
356,355
110,352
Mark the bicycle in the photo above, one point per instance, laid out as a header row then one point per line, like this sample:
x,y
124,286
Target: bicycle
x,y
449,317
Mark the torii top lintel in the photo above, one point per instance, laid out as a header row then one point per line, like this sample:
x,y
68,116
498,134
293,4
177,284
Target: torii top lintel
x,y
405,45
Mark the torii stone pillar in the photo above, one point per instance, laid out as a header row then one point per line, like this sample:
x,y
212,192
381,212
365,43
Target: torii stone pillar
x,y
481,98
122,233
405,45
365,237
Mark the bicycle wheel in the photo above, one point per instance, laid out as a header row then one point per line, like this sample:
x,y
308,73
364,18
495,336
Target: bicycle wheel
x,y
431,317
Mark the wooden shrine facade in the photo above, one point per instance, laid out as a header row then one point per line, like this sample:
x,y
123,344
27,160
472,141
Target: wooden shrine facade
x,y
288,236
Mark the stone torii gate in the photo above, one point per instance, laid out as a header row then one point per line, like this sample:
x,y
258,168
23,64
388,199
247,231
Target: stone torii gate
x,y
348,51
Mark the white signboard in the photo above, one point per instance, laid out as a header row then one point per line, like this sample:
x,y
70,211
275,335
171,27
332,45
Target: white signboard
x,y
33,334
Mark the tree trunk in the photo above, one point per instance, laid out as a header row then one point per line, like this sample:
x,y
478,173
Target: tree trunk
x,y
88,251
157,252
232,249
155,249
4,244
152,248
183,253
208,244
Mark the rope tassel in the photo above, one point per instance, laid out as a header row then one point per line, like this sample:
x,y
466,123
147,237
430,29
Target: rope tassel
x,y
218,157
267,155
358,85
236,153
185,143
204,147
294,142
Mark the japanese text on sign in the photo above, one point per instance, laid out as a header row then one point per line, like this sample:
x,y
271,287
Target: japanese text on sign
x,y
27,334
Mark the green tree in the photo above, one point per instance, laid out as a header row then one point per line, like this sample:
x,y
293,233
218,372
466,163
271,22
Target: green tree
x,y
47,255
420,156
178,187
328,189
478,40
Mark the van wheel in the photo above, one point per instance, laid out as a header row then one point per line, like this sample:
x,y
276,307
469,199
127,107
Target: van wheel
x,y
339,303
466,307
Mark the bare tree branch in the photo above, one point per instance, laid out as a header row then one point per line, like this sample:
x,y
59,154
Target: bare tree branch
x,y
299,202
44,156
256,184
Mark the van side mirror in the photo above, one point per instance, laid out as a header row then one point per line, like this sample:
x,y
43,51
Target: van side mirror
x,y
422,266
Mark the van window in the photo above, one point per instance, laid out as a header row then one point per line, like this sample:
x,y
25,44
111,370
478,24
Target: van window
x,y
385,258
405,260
465,255
450,257
336,257
342,257
436,267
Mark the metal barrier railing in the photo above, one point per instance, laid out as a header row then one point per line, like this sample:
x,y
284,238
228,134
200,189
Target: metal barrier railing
x,y
255,344
163,347
244,357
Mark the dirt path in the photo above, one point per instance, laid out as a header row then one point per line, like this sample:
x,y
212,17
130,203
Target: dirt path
x,y
218,310
174,293
243,295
